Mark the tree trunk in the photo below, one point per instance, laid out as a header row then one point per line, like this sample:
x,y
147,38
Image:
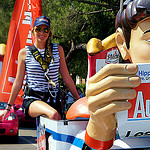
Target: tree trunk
x,y
74,51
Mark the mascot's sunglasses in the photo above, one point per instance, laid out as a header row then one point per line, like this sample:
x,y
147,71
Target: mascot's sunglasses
x,y
45,30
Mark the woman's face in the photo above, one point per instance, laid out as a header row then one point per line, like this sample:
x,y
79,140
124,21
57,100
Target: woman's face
x,y
41,33
140,42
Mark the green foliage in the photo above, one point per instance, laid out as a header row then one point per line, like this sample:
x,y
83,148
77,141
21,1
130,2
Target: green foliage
x,y
70,21
79,65
6,9
82,87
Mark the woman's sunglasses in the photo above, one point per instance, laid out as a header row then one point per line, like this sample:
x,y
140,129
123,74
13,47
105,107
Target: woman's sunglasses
x,y
45,30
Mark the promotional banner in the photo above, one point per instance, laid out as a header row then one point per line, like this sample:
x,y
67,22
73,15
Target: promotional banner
x,y
135,122
19,36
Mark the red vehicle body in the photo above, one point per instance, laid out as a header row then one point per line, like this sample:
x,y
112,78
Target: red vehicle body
x,y
21,115
10,125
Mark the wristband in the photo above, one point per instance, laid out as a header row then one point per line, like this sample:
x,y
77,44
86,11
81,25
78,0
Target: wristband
x,y
9,105
103,145
7,109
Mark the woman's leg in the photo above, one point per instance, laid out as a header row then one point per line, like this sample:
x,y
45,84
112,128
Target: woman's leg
x,y
38,108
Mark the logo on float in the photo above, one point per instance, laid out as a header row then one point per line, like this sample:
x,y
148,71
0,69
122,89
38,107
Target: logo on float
x,y
112,56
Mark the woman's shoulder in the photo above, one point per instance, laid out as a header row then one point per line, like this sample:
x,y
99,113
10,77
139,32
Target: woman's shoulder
x,y
22,53
60,49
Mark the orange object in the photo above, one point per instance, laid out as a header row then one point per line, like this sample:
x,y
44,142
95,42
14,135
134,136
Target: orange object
x,y
78,109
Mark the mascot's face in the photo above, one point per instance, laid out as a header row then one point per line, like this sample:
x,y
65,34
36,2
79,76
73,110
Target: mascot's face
x,y
139,50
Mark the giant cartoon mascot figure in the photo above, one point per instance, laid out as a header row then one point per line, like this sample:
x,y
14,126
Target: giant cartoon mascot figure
x,y
110,88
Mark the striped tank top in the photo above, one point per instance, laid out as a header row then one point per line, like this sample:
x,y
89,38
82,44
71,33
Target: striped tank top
x,y
35,75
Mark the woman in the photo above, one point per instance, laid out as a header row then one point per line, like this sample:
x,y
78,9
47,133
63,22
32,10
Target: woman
x,y
38,93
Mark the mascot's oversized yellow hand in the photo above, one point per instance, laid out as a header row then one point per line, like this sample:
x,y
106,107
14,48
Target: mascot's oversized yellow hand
x,y
107,92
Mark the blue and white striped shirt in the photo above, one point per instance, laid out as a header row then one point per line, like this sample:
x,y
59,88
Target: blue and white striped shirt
x,y
35,75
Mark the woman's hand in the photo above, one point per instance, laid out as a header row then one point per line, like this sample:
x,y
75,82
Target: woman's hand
x,y
4,113
107,93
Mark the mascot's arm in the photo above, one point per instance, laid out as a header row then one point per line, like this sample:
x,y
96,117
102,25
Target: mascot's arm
x,y
107,92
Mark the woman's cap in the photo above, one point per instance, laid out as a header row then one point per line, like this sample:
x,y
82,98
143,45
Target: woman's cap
x,y
42,20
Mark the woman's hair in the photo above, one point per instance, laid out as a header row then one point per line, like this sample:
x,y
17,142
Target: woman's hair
x,y
49,44
133,12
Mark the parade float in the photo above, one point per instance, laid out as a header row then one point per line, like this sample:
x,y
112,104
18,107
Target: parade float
x,y
68,133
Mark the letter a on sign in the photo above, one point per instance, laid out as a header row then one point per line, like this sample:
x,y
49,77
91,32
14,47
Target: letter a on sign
x,y
139,107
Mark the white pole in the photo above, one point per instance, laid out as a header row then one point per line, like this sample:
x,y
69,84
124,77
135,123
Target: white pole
x,y
121,5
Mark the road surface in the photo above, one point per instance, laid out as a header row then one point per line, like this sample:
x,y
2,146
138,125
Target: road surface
x,y
27,140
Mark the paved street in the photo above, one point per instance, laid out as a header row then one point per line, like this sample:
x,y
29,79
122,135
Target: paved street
x,y
27,140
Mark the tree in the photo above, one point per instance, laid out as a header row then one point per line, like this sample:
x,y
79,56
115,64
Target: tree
x,y
74,23
6,9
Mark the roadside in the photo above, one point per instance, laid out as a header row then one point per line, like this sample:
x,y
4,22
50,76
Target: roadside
x,y
27,140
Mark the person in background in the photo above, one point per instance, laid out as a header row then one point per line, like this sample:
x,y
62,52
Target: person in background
x,y
80,92
65,97
42,74
70,100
